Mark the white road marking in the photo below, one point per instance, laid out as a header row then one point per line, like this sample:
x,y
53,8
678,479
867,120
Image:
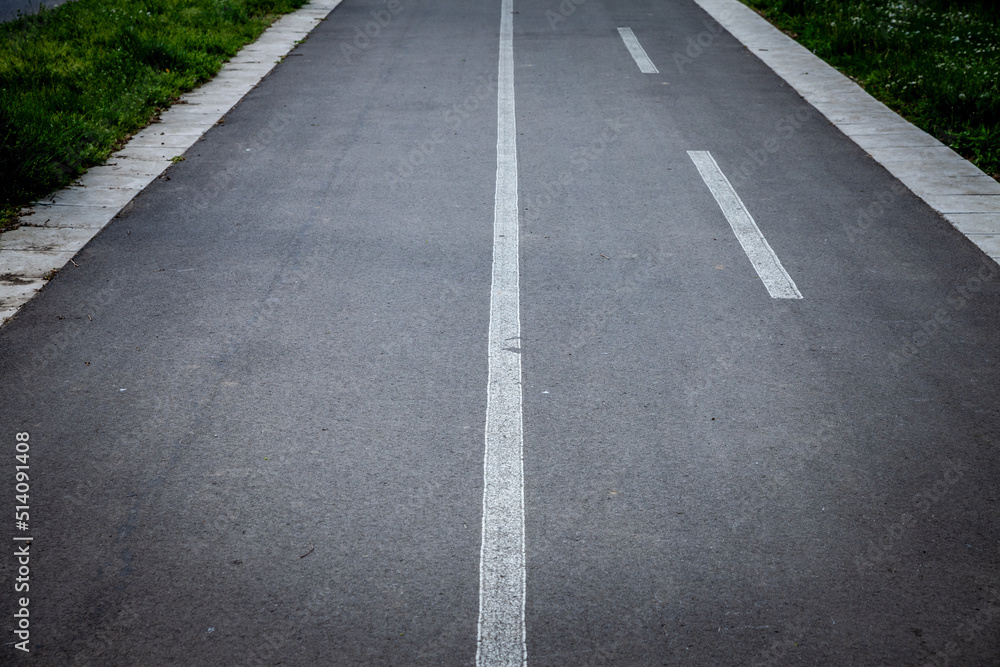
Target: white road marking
x,y
646,65
779,284
501,639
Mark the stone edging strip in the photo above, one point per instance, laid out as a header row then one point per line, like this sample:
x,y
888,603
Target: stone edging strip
x,y
57,227
954,187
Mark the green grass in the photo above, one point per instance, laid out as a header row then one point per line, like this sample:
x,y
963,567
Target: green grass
x,y
78,80
936,62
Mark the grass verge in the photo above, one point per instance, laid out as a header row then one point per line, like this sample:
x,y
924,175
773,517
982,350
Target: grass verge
x,y
76,81
935,62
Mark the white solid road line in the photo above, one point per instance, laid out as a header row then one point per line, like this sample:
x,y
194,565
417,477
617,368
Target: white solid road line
x,y
646,65
779,284
501,639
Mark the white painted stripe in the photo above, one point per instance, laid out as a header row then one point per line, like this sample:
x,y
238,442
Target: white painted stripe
x,y
501,639
779,284
646,65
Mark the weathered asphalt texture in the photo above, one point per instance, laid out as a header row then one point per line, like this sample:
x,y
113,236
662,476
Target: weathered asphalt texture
x,y
298,317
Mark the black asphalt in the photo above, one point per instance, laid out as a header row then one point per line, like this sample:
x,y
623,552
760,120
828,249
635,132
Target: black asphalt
x,y
256,407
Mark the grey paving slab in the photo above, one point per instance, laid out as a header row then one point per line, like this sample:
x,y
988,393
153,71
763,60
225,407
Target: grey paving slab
x,y
263,56
262,60
96,196
87,217
903,139
13,296
111,178
931,183
946,161
47,239
246,72
215,97
974,223
30,264
162,155
278,40
224,88
875,128
988,243
164,140
216,109
119,164
300,25
852,117
964,203
182,123
274,48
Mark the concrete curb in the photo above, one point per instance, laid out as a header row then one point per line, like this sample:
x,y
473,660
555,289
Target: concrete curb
x,y
954,187
57,227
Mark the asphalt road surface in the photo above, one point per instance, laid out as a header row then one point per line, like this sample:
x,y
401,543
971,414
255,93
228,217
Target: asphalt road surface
x,y
256,407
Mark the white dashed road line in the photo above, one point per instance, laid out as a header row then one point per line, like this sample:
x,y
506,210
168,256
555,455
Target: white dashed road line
x,y
646,65
779,284
501,639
